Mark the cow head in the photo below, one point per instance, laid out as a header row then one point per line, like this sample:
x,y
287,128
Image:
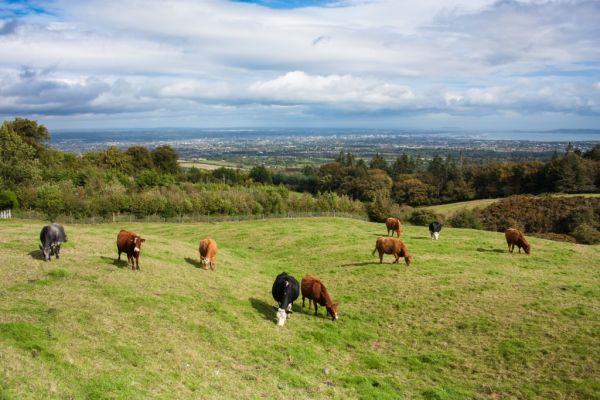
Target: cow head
x,y
436,235
46,251
408,259
527,248
332,310
281,316
137,242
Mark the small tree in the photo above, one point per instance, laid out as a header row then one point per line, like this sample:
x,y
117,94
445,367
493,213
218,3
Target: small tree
x,y
261,174
50,200
165,159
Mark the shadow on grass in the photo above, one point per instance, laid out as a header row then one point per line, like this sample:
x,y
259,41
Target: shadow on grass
x,y
481,249
37,255
420,237
115,261
360,264
265,309
195,263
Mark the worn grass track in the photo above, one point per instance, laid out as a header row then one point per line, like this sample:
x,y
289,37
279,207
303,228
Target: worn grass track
x,y
466,320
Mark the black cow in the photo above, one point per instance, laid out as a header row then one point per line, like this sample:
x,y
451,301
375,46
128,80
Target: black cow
x,y
52,236
285,291
434,229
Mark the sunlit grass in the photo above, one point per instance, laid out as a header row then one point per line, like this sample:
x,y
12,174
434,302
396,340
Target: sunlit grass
x,y
466,320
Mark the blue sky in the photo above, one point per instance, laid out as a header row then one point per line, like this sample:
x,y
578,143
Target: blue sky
x,y
472,64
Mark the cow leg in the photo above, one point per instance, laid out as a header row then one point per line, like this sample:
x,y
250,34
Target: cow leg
x,y
303,301
316,306
397,259
380,258
137,262
119,256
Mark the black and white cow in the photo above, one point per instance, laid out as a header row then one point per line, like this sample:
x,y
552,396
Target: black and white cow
x,y
285,291
52,236
434,229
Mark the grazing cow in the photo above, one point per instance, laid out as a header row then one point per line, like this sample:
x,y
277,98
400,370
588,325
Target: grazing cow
x,y
315,291
285,291
130,243
393,246
393,225
515,237
434,230
208,253
52,236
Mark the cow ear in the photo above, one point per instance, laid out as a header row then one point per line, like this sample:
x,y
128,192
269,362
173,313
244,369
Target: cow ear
x,y
143,240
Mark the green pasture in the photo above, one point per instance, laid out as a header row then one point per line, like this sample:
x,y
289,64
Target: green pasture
x,y
465,320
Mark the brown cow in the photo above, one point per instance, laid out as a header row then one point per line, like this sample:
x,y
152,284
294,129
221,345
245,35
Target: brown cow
x,y
130,243
393,246
315,291
393,225
208,253
515,237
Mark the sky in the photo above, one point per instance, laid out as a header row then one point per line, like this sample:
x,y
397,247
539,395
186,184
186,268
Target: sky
x,y
431,64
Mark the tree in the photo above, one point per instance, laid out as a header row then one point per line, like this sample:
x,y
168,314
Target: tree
x,y
260,174
18,164
31,133
50,200
115,159
165,159
141,158
378,162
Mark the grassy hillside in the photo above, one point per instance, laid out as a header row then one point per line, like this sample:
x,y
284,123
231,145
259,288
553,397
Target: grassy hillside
x,y
466,320
449,209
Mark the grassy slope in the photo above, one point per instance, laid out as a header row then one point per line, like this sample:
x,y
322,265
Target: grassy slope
x,y
451,208
466,320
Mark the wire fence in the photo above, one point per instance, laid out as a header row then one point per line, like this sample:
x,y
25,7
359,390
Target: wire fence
x,y
116,218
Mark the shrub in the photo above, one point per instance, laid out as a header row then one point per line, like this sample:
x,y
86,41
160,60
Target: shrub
x,y
586,233
380,208
424,217
465,219
8,199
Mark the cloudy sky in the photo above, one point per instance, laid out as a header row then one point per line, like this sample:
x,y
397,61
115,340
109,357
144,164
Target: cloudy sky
x,y
472,64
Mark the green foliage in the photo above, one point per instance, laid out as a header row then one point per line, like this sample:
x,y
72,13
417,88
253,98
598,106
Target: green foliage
x,y
18,164
165,159
380,208
140,157
465,219
50,200
586,233
423,217
560,215
260,174
8,199
29,130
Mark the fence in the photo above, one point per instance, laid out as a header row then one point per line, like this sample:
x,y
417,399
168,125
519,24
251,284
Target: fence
x,y
5,214
120,218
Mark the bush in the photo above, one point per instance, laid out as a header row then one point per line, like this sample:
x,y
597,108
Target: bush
x,y
586,233
8,199
380,208
424,217
465,219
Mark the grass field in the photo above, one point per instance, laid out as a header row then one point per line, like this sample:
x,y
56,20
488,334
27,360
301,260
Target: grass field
x,y
466,320
447,210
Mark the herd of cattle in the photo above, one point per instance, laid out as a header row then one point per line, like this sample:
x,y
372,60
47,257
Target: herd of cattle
x,y
285,288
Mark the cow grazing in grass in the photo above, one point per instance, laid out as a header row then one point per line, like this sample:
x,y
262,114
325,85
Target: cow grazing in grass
x,y
434,230
393,225
388,245
515,237
130,243
285,291
208,253
314,290
52,236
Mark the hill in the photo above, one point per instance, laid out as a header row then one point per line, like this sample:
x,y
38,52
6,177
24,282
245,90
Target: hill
x,y
447,210
466,320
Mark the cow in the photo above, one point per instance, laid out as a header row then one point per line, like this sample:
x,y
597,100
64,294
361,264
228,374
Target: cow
x,y
285,291
313,289
393,225
208,253
52,236
393,246
130,243
434,230
515,237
